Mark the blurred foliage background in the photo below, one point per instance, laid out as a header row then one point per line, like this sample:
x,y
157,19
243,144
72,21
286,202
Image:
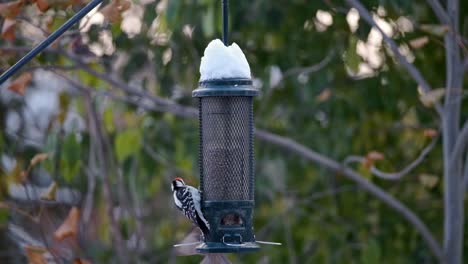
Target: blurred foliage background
x,y
326,80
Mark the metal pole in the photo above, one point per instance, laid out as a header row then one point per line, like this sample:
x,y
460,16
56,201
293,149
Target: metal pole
x,y
225,22
46,42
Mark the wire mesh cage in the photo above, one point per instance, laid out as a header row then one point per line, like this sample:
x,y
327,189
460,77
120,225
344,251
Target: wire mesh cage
x,y
227,164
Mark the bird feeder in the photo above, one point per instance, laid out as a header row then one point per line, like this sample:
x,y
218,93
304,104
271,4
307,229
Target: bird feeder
x,y
227,164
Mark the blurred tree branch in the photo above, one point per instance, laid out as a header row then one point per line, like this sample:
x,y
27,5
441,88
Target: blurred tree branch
x,y
439,11
297,148
336,167
310,69
412,70
466,172
96,135
461,145
395,175
453,177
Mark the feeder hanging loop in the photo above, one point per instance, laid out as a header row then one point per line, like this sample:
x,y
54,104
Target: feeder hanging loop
x,y
225,22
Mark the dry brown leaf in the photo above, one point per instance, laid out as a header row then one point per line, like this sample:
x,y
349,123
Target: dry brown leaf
x,y
430,132
323,96
19,84
50,193
11,9
81,261
42,5
35,254
432,97
375,155
367,163
113,11
418,43
428,180
69,227
22,176
38,158
435,29
9,29
371,158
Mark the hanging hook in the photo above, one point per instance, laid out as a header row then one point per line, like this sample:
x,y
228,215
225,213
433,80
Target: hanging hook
x,y
225,22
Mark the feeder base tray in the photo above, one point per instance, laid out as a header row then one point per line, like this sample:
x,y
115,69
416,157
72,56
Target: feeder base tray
x,y
212,247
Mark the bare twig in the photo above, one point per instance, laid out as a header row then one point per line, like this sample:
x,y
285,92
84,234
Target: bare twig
x,y
306,153
50,67
95,131
327,193
289,240
89,199
310,69
465,173
412,70
165,105
461,144
310,155
439,11
457,154
465,64
395,175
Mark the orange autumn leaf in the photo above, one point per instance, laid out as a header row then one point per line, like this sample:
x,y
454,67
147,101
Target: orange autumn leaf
x,y
367,163
81,261
430,133
42,5
35,254
371,157
69,227
418,43
19,84
8,29
323,96
11,9
38,158
113,11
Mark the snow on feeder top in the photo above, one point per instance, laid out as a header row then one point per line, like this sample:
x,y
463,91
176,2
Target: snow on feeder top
x,y
225,95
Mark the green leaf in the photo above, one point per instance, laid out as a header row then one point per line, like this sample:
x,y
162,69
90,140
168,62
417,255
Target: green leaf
x,y
71,149
352,59
3,216
172,12
109,120
127,143
371,253
70,169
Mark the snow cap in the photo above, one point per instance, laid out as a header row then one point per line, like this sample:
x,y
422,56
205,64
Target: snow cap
x,y
221,62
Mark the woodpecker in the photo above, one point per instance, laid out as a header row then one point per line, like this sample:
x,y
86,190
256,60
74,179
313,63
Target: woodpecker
x,y
188,200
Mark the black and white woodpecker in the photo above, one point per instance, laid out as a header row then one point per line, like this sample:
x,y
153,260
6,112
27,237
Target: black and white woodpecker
x,y
188,200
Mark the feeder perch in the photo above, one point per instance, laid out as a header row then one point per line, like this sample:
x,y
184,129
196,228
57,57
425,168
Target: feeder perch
x,y
227,164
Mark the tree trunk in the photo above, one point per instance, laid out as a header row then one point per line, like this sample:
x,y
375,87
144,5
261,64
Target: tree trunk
x,y
453,181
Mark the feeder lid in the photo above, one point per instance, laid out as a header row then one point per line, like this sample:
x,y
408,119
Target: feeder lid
x,y
225,87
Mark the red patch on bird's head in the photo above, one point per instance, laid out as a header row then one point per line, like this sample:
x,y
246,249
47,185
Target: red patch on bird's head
x,y
179,179
177,183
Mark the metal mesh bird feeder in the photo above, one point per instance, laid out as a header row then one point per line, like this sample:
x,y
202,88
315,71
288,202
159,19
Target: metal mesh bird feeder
x,y
227,163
